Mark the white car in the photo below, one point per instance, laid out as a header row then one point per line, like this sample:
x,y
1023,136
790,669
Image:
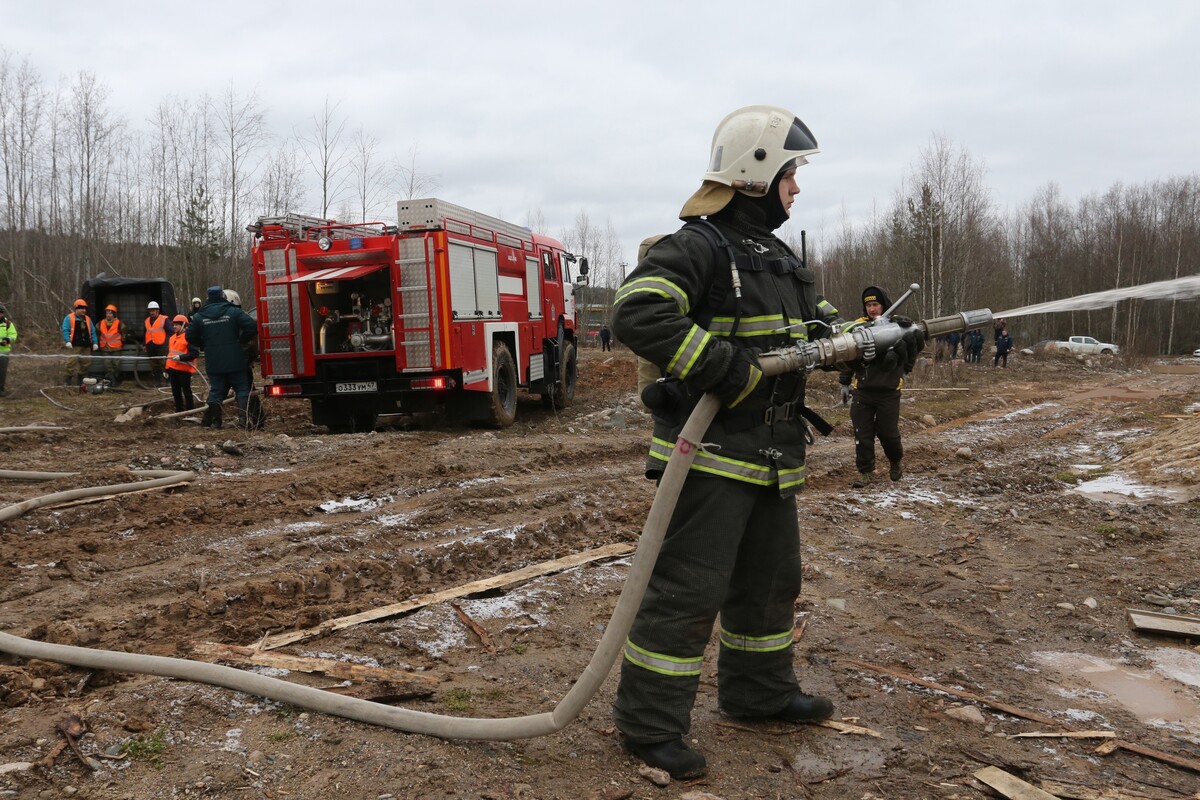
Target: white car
x,y
1086,345
1196,354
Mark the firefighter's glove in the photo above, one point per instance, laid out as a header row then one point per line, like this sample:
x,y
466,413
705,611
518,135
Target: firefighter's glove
x,y
845,395
663,397
740,380
913,335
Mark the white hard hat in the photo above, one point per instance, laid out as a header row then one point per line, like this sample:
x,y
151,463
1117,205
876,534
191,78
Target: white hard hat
x,y
151,304
233,297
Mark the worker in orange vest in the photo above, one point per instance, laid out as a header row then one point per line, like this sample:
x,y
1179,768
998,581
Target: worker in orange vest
x,y
112,340
79,336
156,341
180,372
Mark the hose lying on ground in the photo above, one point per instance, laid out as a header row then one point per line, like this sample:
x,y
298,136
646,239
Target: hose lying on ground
x,y
157,478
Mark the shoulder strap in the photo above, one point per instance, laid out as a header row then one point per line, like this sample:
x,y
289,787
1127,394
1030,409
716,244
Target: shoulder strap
x,y
720,286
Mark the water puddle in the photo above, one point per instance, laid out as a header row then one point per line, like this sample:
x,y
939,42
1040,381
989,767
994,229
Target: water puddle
x,y
1158,697
1118,488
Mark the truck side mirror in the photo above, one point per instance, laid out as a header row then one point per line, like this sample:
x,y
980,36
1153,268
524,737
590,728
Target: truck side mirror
x,y
583,267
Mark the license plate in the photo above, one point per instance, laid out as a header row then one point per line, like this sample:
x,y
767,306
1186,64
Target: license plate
x,y
356,387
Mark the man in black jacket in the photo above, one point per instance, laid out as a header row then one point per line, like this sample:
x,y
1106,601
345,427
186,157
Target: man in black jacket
x,y
876,386
221,330
732,546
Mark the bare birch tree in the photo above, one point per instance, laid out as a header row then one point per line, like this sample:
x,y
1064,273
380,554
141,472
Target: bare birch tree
x,y
327,155
411,181
243,125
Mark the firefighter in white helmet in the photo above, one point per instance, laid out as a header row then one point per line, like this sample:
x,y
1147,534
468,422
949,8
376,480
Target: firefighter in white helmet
x,y
732,547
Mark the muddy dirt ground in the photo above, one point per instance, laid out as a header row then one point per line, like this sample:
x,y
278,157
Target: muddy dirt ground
x,y
1039,503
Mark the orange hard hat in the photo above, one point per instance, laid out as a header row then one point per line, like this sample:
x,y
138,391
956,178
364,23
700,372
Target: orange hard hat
x,y
181,319
111,307
81,303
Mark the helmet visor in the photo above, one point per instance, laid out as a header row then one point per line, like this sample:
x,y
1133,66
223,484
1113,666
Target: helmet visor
x,y
799,137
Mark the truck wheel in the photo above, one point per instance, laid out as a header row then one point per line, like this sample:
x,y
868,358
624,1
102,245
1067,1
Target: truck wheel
x,y
1106,352
503,411
564,387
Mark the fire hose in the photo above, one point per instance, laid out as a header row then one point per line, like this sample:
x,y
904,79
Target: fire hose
x,y
864,342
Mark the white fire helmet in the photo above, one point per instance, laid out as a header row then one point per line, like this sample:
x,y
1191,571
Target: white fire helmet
x,y
754,144
233,297
151,304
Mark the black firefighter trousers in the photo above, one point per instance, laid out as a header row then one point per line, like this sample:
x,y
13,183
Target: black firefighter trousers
x,y
731,548
876,414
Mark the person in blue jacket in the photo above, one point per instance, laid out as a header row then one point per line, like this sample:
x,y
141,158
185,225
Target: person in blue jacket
x,y
221,330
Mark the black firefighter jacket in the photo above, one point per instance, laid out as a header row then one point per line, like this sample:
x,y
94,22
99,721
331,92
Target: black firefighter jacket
x,y
676,310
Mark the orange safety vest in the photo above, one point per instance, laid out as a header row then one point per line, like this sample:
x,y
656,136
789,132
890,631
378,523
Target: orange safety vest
x,y
86,319
110,338
179,347
156,331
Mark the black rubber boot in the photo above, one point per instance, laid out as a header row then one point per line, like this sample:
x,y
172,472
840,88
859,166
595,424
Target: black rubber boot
x,y
241,411
896,472
674,756
806,708
212,416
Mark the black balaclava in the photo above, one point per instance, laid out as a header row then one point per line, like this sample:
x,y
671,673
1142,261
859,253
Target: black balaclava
x,y
877,295
771,205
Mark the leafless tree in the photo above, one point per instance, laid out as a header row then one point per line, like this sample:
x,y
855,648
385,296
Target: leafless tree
x,y
327,155
411,181
243,125
282,187
373,180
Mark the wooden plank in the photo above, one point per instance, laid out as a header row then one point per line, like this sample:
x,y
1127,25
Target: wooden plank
x,y
847,728
495,582
1168,758
1065,735
965,695
1158,622
1010,785
341,670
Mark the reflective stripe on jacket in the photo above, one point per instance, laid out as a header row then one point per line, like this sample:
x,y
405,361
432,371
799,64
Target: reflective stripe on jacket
x,y
68,330
156,330
662,313
111,337
178,347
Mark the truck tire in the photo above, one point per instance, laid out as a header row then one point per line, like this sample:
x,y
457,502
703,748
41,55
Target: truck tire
x,y
343,418
564,388
503,406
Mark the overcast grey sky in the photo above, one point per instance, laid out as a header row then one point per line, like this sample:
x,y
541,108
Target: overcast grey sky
x,y
609,107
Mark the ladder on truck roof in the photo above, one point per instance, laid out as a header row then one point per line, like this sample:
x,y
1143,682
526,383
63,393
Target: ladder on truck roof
x,y
301,225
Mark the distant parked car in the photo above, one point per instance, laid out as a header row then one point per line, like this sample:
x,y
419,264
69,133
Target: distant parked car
x,y
1086,345
1196,354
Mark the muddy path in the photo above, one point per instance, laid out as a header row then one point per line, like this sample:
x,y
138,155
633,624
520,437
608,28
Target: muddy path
x,y
1039,503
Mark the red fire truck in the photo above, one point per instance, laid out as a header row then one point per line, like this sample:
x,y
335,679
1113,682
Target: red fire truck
x,y
449,310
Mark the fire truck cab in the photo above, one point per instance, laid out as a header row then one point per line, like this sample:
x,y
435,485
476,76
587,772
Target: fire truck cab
x,y
449,310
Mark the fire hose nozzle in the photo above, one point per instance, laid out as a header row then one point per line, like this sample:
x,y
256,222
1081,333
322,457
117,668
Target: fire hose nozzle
x,y
864,342
957,323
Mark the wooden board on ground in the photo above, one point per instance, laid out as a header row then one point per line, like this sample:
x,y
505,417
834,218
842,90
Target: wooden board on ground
x,y
325,666
1010,785
1158,622
495,582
